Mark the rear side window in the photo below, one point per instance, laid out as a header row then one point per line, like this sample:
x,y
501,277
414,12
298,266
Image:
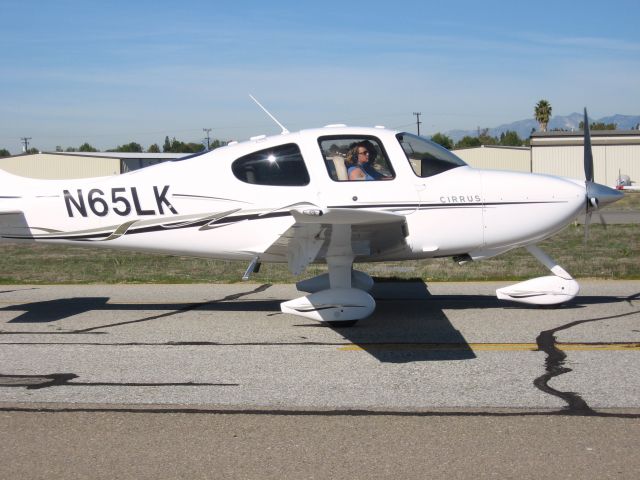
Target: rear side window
x,y
278,166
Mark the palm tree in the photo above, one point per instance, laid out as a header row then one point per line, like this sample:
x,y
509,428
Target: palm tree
x,y
542,114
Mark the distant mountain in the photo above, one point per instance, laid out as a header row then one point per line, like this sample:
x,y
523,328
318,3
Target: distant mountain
x,y
624,122
568,122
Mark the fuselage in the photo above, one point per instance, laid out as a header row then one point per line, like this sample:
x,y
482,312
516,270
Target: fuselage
x,y
234,202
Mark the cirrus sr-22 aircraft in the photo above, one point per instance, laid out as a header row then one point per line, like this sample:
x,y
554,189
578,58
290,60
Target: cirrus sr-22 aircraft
x,y
289,198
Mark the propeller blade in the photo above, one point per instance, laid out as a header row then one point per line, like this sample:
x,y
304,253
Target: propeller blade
x,y
588,154
596,195
604,224
587,222
588,175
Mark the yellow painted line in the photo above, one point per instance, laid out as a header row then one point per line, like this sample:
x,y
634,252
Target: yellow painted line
x,y
599,346
491,347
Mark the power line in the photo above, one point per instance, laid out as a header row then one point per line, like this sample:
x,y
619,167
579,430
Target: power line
x,y
25,141
418,122
208,130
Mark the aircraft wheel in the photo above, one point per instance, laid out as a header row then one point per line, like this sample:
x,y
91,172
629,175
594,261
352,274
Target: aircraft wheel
x,y
342,324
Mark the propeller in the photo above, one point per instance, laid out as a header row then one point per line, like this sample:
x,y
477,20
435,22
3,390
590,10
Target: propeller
x,y
596,195
592,201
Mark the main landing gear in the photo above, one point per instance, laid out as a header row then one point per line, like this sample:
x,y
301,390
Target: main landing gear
x,y
339,298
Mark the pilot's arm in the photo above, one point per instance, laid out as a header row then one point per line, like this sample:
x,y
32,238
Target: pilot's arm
x,y
357,174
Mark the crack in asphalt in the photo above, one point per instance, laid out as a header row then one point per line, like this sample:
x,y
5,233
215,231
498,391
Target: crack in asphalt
x,y
555,363
186,308
37,382
630,299
163,409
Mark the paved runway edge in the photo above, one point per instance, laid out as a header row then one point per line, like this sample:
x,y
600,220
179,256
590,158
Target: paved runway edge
x,y
630,413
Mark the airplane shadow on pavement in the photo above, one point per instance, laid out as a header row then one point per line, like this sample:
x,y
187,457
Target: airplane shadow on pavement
x,y
54,310
408,325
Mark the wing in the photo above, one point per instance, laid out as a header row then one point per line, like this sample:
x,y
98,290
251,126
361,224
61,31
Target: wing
x,y
318,233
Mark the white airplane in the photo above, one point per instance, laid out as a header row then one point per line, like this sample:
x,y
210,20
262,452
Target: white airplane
x,y
288,198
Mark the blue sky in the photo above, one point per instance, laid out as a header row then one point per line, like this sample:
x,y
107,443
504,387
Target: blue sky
x,y
112,72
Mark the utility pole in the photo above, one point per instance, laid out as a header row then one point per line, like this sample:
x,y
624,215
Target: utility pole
x,y
25,141
418,122
207,130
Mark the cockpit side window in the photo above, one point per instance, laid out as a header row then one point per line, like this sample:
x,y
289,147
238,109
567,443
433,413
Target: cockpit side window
x,y
341,155
427,158
278,166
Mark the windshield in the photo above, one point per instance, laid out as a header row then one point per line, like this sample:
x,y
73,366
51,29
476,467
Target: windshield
x,y
427,158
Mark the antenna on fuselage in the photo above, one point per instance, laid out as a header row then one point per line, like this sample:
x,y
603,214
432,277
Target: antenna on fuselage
x,y
284,129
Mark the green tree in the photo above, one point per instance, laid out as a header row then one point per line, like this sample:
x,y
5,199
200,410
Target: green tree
x,y
442,139
85,147
542,114
176,146
32,151
153,148
167,145
510,139
468,142
599,126
4,152
129,147
485,138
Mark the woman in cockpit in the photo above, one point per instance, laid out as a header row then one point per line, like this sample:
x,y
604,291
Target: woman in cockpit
x,y
359,166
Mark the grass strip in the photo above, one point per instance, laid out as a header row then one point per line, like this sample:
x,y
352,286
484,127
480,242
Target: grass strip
x,y
611,253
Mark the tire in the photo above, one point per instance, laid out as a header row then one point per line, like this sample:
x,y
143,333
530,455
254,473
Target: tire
x,y
342,324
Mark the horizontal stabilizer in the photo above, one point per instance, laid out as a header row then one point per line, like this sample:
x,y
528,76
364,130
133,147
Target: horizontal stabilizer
x,y
13,223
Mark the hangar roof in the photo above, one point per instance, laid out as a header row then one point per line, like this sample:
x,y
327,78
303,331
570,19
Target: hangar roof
x,y
598,137
123,155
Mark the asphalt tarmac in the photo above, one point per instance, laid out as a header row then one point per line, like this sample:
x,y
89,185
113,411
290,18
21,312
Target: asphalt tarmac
x,y
612,217
212,381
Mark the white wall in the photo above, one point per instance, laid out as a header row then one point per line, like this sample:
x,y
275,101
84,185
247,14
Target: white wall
x,y
608,161
52,166
497,158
